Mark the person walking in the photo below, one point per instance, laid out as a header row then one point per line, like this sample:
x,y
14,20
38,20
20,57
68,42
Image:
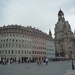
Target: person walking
x,y
37,62
40,62
46,61
3,61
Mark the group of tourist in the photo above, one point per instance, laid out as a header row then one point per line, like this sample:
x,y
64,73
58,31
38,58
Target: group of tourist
x,y
9,61
39,62
6,61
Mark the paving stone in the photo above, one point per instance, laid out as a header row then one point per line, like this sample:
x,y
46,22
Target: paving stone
x,y
53,68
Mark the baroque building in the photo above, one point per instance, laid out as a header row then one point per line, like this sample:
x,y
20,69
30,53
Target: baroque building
x,y
20,43
64,38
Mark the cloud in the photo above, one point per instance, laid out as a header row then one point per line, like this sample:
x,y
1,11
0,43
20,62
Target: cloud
x,y
40,14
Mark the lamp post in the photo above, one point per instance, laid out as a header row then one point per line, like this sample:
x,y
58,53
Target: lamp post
x,y
70,50
72,61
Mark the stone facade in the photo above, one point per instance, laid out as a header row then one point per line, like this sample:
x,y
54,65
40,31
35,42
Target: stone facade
x,y
64,38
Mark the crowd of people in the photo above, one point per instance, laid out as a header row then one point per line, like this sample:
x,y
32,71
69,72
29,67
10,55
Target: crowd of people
x,y
39,62
6,61
10,61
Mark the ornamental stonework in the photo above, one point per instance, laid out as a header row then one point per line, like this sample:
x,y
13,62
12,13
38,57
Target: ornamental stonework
x,y
64,38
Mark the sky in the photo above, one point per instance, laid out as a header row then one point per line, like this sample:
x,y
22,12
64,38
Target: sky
x,y
41,14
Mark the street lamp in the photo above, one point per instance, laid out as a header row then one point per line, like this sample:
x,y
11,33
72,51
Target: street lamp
x,y
72,61
70,50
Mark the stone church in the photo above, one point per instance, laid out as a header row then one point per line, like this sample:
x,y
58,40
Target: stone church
x,y
64,38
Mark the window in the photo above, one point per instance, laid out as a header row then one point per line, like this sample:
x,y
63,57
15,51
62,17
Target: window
x,y
12,51
0,52
2,35
19,52
30,52
15,52
0,46
25,52
16,45
3,45
7,34
1,40
5,51
16,40
8,51
13,35
17,35
74,55
7,40
33,52
9,45
22,46
22,40
10,39
37,52
33,37
13,40
10,34
4,40
23,36
12,45
6,45
19,46
10,30
19,40
22,52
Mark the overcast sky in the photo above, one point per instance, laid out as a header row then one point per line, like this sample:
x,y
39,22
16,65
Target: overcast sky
x,y
40,14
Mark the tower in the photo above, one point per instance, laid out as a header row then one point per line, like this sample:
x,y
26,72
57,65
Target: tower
x,y
64,37
60,15
50,33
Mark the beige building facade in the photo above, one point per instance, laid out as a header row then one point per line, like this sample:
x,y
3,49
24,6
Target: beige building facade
x,y
20,43
15,43
64,38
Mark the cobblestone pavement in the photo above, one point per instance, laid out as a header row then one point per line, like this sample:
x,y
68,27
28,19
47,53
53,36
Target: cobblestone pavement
x,y
53,68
